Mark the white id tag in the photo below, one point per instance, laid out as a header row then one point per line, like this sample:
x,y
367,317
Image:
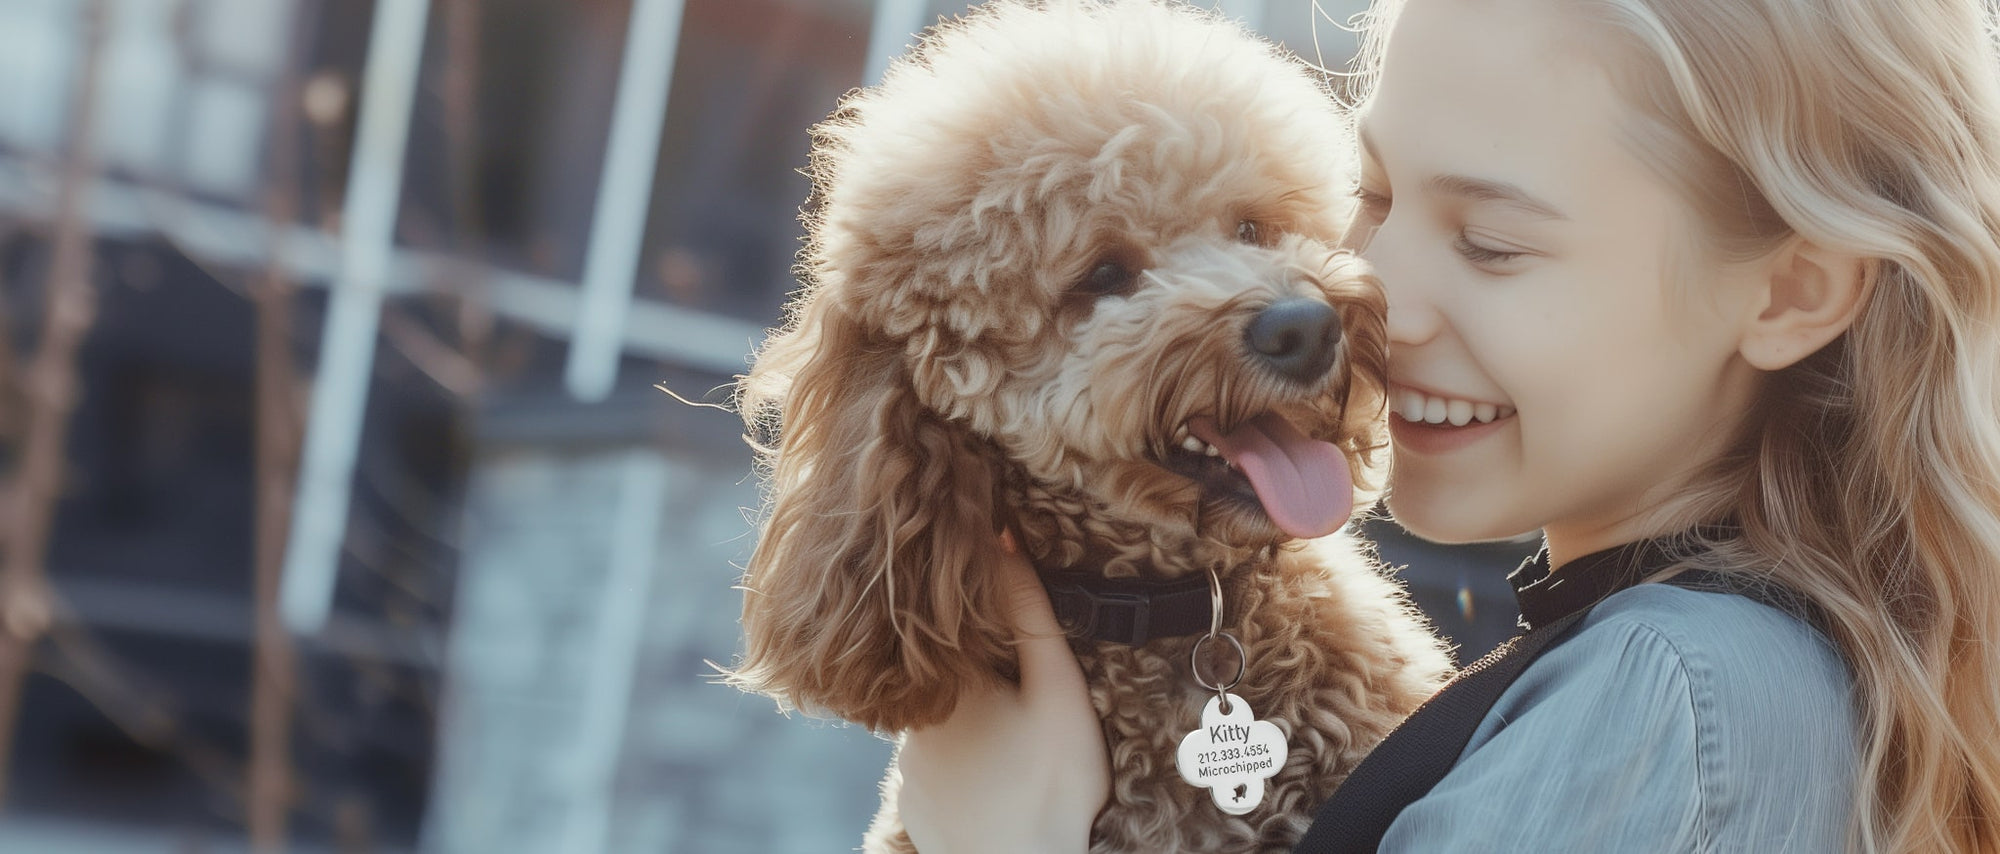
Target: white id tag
x,y
1231,755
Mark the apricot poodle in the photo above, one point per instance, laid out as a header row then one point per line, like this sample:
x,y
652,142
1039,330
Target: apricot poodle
x,y
1071,270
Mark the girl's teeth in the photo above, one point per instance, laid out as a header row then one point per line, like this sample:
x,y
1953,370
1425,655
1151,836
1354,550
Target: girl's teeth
x,y
1411,405
1415,406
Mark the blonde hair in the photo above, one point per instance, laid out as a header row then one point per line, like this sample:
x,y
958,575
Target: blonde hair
x,y
1868,476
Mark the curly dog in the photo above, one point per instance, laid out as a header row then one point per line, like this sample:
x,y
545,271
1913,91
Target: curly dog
x,y
1071,270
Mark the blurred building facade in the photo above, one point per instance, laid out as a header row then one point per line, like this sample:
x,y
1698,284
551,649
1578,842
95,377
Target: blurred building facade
x,y
498,224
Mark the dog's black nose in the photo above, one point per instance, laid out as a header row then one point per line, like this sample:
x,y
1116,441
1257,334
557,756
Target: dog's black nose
x,y
1299,337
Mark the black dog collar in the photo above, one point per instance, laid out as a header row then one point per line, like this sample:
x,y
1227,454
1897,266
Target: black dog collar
x,y
1130,611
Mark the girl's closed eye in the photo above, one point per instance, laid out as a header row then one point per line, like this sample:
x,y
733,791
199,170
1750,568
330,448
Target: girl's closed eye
x,y
1372,203
1485,250
1370,212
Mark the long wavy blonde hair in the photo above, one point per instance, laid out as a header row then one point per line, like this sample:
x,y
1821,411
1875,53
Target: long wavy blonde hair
x,y
1868,477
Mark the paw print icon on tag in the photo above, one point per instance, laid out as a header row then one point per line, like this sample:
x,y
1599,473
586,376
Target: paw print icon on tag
x,y
1232,754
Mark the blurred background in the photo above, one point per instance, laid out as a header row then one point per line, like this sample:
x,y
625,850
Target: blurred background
x,y
338,509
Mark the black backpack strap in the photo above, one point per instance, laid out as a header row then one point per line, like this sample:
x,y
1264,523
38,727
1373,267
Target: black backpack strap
x,y
1407,764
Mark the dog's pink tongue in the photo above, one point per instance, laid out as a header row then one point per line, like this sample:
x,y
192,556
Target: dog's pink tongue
x,y
1303,483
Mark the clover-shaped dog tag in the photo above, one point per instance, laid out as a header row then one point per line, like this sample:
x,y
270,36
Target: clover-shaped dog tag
x,y
1232,754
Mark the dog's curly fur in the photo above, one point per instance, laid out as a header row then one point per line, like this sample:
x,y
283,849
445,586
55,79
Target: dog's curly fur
x,y
960,360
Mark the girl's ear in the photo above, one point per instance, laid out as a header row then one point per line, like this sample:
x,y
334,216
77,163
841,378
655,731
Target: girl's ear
x,y
1807,296
869,594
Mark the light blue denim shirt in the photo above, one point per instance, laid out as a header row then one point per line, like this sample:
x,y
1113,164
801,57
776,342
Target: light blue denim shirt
x,y
1669,720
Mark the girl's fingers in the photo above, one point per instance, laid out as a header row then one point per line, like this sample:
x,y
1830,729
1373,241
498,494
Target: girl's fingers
x,y
1039,640
1011,770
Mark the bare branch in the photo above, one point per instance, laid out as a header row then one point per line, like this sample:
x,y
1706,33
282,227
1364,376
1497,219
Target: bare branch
x,y
50,386
280,424
452,370
461,129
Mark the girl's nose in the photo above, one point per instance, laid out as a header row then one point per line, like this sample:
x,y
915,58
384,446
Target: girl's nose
x,y
1413,318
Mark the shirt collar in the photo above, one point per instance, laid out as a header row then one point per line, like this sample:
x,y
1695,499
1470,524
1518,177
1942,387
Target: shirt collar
x,y
1546,595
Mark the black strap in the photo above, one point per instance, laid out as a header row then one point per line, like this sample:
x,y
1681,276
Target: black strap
x,y
1411,761
1130,611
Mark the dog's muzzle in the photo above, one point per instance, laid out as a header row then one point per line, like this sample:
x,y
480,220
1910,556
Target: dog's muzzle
x,y
1297,337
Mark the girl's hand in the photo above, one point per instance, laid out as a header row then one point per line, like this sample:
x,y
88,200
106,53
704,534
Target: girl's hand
x,y
1012,769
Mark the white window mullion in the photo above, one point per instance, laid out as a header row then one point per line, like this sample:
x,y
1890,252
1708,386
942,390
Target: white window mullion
x,y
347,347
624,194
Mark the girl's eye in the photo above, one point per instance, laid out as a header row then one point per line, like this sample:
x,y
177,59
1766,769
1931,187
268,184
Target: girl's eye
x,y
1478,254
1374,206
1369,214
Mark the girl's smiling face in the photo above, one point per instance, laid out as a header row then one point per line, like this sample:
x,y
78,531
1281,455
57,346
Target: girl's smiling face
x,y
1531,263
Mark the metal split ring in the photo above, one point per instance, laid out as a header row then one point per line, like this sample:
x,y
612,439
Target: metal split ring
x,y
1215,631
1214,603
1194,664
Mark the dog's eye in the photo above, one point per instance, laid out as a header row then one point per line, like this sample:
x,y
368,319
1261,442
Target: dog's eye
x,y
1250,232
1108,278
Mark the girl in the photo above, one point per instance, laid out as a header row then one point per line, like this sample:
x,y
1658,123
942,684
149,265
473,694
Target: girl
x,y
1734,267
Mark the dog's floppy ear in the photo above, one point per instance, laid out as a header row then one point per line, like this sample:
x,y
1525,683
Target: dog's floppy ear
x,y
869,594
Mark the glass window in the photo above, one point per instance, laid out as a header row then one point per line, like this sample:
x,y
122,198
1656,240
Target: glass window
x,y
751,77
